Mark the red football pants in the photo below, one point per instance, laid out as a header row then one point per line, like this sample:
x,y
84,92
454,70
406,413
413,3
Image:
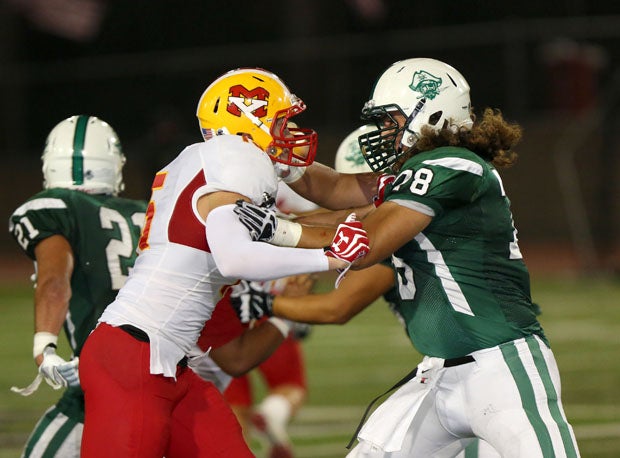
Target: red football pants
x,y
132,413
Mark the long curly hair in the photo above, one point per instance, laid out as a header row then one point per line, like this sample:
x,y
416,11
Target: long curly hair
x,y
491,137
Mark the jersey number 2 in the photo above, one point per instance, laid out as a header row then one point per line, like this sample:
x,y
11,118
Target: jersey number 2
x,y
117,249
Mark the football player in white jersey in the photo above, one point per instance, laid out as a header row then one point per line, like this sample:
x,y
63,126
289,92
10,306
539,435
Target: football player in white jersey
x,y
132,367
463,287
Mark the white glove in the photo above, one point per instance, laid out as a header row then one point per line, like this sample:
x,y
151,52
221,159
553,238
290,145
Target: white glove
x,y
57,372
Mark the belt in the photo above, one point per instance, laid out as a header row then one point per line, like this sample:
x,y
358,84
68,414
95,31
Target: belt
x,y
142,336
134,332
450,362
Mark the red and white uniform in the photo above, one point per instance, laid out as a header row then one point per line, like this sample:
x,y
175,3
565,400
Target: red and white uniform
x,y
139,401
176,282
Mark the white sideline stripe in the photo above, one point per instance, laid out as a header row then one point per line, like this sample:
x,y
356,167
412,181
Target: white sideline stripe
x,y
583,331
598,431
340,413
592,412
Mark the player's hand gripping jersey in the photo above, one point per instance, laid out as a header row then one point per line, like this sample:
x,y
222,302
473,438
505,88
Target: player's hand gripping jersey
x,y
462,280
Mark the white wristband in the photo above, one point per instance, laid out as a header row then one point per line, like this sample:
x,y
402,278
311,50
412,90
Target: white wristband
x,y
283,326
42,340
287,233
294,174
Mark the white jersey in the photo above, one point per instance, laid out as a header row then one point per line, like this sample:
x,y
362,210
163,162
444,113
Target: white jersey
x,y
175,283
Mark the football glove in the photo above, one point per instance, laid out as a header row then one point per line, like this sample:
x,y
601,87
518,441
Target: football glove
x,y
350,241
265,226
57,372
382,182
250,302
349,244
260,222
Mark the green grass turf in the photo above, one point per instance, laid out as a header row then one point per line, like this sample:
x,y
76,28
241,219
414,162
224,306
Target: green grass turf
x,y
349,365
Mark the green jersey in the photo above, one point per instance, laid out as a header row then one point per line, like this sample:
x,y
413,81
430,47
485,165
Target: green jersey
x,y
462,282
103,232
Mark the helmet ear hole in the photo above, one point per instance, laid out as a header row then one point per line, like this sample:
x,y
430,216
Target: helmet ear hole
x,y
435,117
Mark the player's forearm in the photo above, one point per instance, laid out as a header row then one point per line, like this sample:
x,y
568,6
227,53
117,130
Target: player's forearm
x,y
326,308
247,351
316,236
53,288
333,218
335,191
51,305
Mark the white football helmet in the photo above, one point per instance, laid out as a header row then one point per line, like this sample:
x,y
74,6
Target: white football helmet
x,y
83,153
427,92
349,158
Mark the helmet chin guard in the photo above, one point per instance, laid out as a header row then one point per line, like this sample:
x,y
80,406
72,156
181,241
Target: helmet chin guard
x,y
423,92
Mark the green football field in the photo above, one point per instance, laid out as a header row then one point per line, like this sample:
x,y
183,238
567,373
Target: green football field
x,y
349,365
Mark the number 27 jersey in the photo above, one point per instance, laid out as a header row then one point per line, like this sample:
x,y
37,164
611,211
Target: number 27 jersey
x,y
462,282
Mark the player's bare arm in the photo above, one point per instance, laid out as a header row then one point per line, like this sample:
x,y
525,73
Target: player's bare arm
x,y
335,191
356,291
247,351
333,217
53,289
389,227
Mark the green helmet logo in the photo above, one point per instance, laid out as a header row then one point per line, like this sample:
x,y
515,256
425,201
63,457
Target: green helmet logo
x,y
354,155
426,84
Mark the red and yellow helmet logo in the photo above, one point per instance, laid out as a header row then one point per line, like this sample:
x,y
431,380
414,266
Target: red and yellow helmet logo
x,y
252,102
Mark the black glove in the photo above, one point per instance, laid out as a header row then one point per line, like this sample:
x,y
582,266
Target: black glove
x,y
250,301
261,222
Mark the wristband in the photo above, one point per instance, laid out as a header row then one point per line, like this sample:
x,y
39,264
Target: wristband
x,y
42,340
282,325
294,174
287,233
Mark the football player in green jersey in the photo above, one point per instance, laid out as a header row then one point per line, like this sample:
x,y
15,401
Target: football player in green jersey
x,y
82,238
357,290
463,287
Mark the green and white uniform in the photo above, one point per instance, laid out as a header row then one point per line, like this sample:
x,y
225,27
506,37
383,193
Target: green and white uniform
x,y
464,290
471,288
103,232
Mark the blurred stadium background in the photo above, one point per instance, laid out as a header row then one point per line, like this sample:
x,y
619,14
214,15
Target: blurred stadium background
x,y
142,65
